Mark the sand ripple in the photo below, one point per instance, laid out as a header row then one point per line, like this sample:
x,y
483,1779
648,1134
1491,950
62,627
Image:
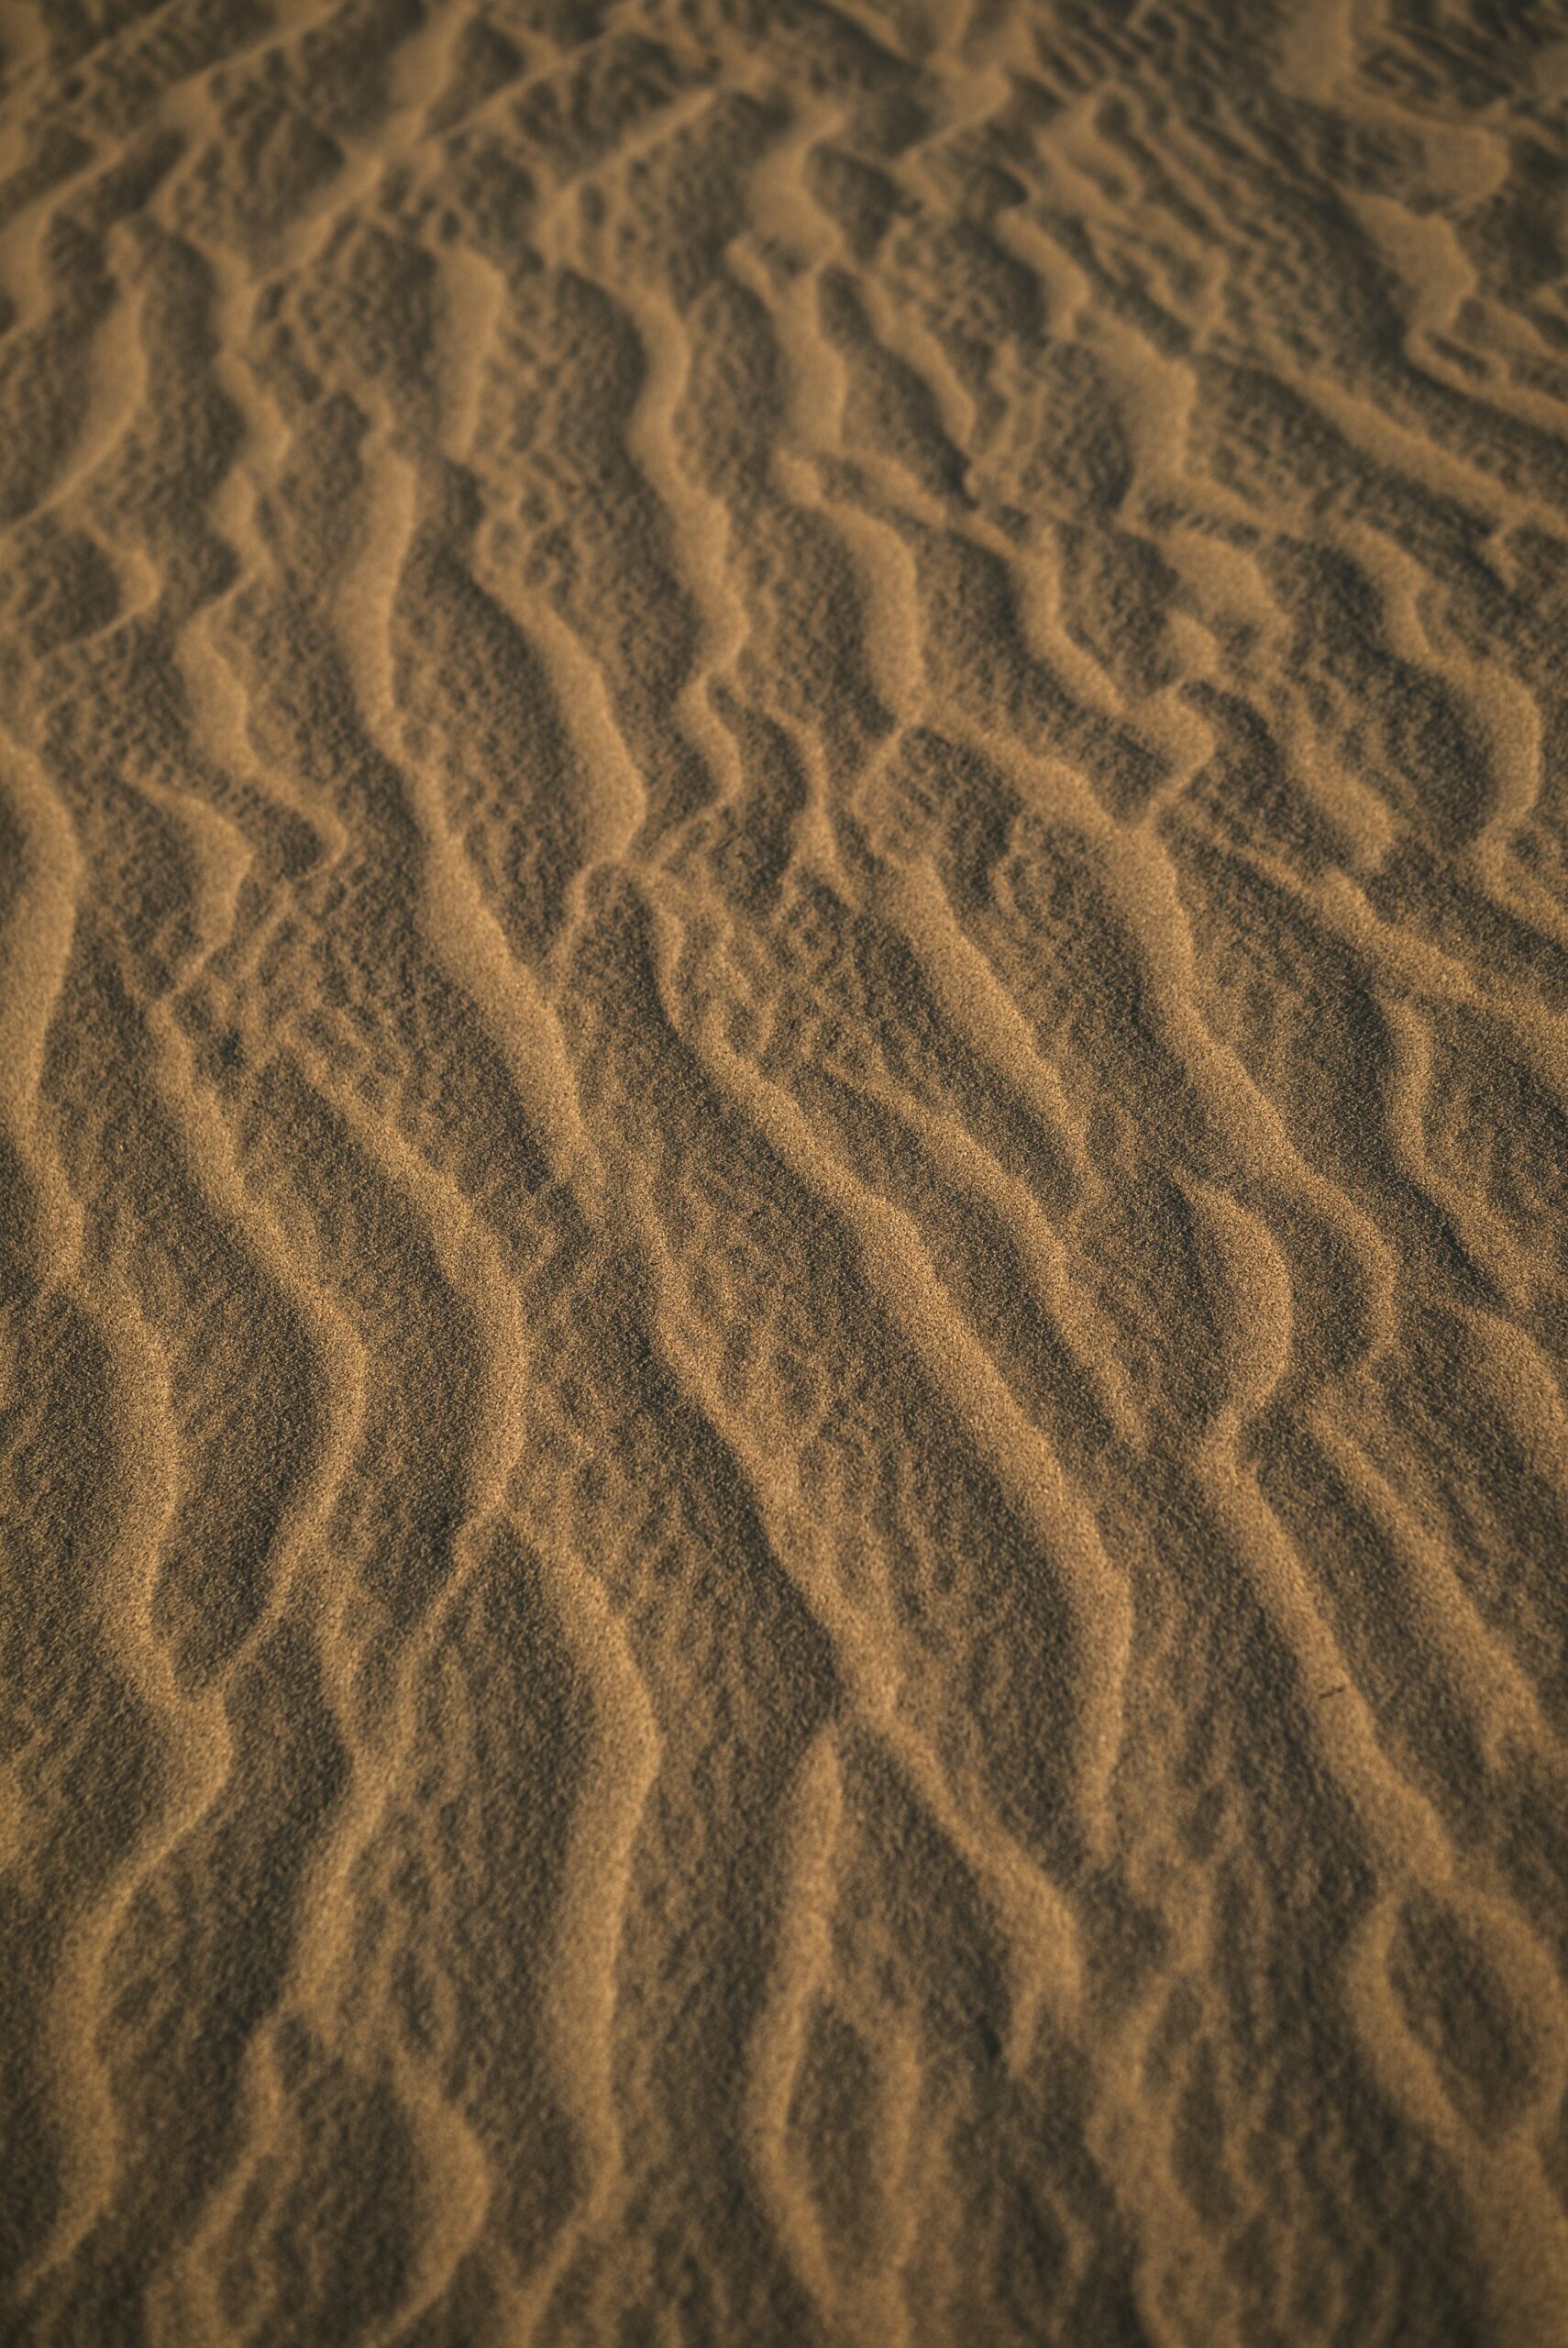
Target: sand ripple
x,y
784,1172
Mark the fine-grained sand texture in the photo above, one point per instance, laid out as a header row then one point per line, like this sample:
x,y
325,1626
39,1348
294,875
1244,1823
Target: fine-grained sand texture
x,y
784,1173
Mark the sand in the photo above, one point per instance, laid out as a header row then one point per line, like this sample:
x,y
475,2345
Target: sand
x,y
784,1173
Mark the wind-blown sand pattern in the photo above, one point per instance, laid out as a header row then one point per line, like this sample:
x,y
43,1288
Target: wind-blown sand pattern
x,y
784,920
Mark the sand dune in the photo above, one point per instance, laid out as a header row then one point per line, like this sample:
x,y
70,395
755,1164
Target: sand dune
x,y
784,1173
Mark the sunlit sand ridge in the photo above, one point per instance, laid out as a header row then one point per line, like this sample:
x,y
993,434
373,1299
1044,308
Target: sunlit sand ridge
x,y
784,1173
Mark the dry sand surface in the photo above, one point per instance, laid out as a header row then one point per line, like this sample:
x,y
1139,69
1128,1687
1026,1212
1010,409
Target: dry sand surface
x,y
784,1173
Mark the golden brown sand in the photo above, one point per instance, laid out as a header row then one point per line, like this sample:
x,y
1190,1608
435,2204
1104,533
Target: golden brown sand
x,y
784,1173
